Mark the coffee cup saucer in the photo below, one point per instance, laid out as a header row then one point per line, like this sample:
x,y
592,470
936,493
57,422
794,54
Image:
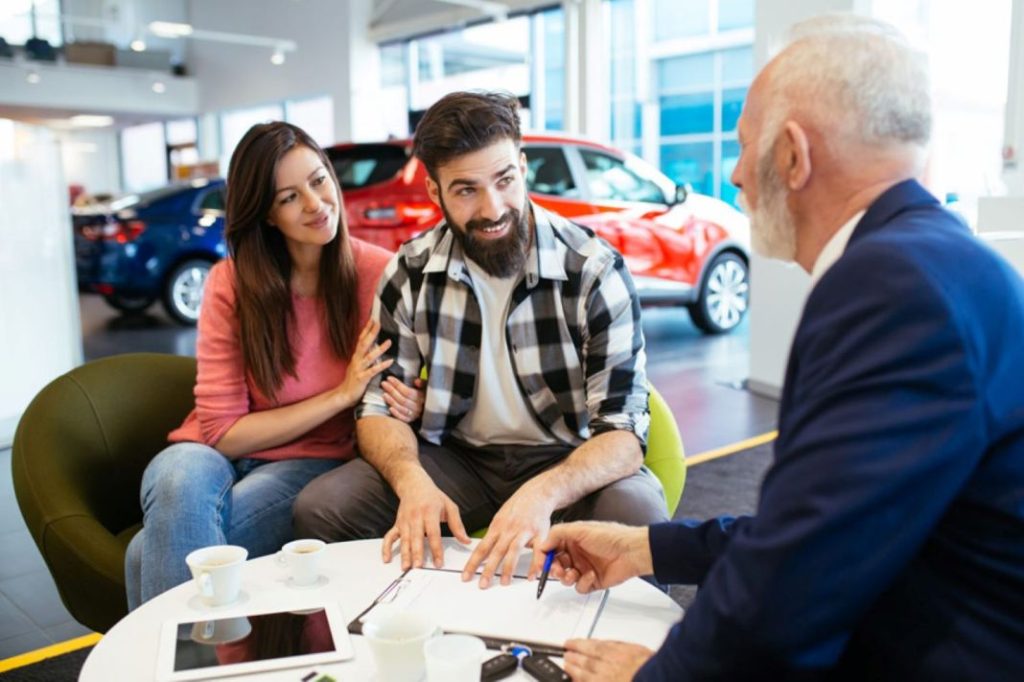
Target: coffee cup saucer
x,y
196,603
320,581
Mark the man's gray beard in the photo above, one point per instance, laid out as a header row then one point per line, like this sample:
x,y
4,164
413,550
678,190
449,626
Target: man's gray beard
x,y
772,232
503,257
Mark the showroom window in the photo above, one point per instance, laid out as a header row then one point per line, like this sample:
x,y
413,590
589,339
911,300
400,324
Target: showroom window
x,y
23,19
679,75
524,53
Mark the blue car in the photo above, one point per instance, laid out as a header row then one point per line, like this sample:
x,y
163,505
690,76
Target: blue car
x,y
159,244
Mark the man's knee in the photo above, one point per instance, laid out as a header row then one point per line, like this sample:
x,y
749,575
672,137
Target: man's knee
x,y
638,500
342,504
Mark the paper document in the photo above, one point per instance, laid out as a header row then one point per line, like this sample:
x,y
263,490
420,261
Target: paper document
x,y
510,612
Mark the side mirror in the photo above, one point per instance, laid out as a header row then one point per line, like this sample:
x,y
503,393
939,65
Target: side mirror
x,y
682,193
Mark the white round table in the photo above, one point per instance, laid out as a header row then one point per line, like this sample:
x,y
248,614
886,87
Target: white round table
x,y
635,612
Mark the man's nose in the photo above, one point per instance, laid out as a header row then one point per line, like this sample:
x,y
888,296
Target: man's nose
x,y
493,206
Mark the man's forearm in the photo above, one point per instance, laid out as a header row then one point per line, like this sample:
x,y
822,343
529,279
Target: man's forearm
x,y
390,446
603,459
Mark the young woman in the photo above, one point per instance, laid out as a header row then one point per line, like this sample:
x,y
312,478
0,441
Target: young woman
x,y
281,364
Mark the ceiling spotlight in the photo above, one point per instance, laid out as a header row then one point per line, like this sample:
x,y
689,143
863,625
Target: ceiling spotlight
x,y
277,59
32,77
170,29
159,87
138,45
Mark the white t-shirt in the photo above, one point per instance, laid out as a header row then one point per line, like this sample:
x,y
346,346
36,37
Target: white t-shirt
x,y
500,414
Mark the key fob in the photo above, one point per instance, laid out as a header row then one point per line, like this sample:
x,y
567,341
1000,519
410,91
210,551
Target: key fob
x,y
498,667
544,669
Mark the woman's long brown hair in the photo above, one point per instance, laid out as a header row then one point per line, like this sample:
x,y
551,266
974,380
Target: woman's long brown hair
x,y
263,265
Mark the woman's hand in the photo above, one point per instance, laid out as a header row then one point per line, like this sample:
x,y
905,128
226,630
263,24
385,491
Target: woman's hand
x,y
364,364
404,402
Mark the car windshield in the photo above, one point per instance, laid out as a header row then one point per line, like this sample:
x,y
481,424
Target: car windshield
x,y
146,198
367,164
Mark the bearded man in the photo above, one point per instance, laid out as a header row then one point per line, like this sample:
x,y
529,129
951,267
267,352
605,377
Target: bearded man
x,y
888,542
528,328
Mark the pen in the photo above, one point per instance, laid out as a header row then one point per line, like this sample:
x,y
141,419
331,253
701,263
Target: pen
x,y
544,572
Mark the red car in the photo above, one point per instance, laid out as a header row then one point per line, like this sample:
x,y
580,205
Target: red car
x,y
682,248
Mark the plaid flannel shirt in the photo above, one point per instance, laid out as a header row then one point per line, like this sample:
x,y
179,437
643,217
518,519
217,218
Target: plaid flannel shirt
x,y
573,329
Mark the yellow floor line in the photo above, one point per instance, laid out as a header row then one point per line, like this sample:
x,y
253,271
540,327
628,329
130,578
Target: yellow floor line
x,y
57,649
732,449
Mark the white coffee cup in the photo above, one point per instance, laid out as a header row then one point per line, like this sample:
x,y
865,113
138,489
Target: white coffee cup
x,y
302,557
454,658
218,572
396,640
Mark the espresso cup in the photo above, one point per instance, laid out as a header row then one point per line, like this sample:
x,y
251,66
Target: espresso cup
x,y
396,640
217,571
302,557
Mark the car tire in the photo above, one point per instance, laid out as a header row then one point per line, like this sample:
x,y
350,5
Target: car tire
x,y
724,295
128,304
183,290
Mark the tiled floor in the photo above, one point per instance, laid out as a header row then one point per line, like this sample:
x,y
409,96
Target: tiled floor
x,y
700,377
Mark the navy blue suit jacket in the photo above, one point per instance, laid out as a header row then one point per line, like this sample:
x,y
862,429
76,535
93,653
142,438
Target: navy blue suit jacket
x,y
889,537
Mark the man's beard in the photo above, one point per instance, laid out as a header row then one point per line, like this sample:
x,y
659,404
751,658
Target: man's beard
x,y
502,257
772,231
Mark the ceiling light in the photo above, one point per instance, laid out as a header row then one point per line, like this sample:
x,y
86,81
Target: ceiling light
x,y
33,77
159,87
138,45
90,121
170,29
277,59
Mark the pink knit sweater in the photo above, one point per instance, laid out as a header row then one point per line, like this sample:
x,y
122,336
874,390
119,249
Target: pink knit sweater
x,y
224,394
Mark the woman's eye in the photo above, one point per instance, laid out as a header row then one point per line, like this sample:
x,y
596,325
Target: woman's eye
x,y
287,199
319,181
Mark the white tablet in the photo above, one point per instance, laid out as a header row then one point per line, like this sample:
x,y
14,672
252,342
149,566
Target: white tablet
x,y
214,645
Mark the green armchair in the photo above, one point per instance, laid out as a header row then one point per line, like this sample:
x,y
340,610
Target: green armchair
x,y
79,453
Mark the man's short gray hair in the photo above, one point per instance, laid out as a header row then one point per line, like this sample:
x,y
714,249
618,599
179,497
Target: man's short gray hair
x,y
857,78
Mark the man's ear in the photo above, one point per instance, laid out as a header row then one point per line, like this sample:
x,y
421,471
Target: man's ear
x,y
793,155
522,163
433,191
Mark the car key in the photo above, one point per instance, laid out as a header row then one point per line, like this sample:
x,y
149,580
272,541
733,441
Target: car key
x,y
498,667
544,669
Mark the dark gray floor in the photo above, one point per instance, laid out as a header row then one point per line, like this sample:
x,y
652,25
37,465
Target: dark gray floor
x,y
700,377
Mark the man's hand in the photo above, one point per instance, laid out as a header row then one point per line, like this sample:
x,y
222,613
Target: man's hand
x,y
422,508
524,516
594,555
596,660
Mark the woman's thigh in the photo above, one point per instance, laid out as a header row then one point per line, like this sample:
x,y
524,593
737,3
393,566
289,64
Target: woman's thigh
x,y
261,501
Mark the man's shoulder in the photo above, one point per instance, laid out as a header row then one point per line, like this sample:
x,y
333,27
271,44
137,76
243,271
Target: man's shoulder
x,y
414,254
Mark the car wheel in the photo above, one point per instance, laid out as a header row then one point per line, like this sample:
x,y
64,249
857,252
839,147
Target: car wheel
x,y
183,291
723,297
128,304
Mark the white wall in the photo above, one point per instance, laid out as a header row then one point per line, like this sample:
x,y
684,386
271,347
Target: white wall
x,y
234,77
40,333
90,159
1013,167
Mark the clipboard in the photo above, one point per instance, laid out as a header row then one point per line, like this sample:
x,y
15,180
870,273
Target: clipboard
x,y
501,615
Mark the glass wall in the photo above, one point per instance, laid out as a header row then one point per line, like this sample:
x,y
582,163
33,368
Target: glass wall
x,y
679,74
23,19
523,54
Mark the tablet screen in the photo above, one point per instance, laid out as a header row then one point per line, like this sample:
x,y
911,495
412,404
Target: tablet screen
x,y
218,642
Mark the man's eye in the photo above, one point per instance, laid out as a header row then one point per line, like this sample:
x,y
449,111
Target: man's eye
x,y
465,192
506,181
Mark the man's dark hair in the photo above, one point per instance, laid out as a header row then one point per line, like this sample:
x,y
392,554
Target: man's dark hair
x,y
464,122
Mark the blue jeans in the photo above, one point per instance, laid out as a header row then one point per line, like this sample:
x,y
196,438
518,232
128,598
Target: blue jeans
x,y
193,496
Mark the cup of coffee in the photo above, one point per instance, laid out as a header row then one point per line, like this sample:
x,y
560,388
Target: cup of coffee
x,y
217,571
454,658
396,639
302,557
